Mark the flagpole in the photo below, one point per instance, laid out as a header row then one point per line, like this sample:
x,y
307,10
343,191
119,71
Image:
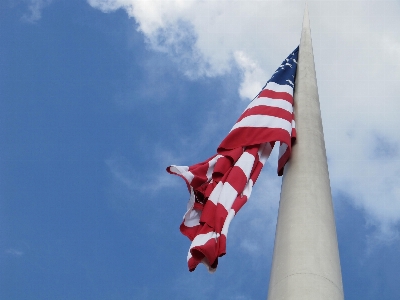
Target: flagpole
x,y
305,264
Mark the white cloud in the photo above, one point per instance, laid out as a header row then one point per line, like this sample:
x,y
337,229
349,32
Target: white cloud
x,y
219,29
35,10
14,252
356,48
252,76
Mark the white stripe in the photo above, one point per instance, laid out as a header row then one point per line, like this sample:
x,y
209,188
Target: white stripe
x,y
265,101
293,124
201,239
264,152
228,195
192,216
248,188
279,88
211,165
246,162
182,170
264,121
191,199
215,194
227,222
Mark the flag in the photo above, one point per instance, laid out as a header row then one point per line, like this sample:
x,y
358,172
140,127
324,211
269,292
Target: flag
x,y
222,184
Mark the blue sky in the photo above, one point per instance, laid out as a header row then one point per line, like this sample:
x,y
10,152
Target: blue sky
x,y
98,97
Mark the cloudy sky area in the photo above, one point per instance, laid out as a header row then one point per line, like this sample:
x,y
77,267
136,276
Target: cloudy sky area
x,y
99,96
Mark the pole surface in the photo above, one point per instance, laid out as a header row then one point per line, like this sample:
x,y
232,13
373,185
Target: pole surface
x,y
305,264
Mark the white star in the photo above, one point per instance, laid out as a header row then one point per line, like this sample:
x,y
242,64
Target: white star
x,y
291,83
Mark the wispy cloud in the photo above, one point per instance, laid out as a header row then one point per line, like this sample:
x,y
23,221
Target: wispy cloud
x,y
35,8
14,252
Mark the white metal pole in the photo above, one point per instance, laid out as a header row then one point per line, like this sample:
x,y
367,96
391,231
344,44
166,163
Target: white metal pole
x,y
305,264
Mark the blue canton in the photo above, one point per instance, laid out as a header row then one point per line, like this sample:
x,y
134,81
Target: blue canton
x,y
286,72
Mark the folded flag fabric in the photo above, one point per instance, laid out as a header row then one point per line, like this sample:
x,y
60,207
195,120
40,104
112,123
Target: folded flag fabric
x,y
222,184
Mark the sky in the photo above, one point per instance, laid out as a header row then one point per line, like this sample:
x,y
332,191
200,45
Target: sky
x,y
98,97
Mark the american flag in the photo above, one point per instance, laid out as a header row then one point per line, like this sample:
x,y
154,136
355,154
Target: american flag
x,y
222,184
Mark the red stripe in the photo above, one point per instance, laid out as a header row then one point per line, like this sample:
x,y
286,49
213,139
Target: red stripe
x,y
199,165
208,214
237,179
210,187
244,136
221,167
200,173
221,245
276,95
209,250
233,154
193,262
267,111
283,160
190,232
